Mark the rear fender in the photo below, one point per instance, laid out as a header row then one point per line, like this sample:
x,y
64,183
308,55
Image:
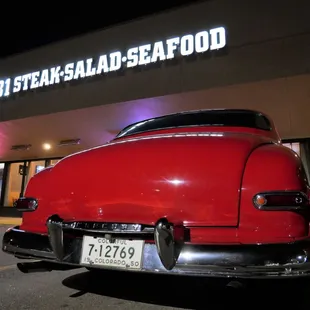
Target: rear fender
x,y
40,187
271,168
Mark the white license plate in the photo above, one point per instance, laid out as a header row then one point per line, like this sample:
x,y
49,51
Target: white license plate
x,y
119,253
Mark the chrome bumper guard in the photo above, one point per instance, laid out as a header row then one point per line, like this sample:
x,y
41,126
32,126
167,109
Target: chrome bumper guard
x,y
168,251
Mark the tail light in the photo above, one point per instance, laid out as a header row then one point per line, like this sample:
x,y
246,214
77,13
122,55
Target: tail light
x,y
281,201
25,204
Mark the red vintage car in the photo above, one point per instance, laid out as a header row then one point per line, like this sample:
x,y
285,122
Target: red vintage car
x,y
207,193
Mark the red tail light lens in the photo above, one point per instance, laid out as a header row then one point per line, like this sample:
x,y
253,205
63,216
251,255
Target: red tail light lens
x,y
281,200
25,204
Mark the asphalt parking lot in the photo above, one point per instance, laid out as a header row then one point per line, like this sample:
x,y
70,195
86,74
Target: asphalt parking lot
x,y
81,289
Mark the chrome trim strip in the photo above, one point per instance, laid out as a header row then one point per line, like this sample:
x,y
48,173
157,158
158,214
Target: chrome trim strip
x,y
107,227
113,231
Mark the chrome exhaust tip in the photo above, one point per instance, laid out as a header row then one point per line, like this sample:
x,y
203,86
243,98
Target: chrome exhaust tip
x,y
235,285
34,267
43,266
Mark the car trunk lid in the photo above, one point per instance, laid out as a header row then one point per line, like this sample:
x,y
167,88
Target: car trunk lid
x,y
191,178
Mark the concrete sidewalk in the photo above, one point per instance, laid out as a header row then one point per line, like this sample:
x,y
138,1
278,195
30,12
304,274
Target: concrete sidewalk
x,y
10,220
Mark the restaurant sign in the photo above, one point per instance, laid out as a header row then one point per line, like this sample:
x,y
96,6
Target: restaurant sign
x,y
200,42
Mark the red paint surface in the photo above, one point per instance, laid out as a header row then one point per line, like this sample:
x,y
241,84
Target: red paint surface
x,y
204,177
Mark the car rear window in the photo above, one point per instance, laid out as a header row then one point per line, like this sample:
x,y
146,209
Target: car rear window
x,y
225,118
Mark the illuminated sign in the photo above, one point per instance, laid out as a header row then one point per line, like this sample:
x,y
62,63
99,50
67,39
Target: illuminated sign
x,y
186,45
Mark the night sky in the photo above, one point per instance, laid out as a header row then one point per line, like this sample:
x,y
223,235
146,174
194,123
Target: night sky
x,y
26,25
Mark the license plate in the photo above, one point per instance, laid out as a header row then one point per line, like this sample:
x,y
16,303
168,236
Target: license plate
x,y
116,253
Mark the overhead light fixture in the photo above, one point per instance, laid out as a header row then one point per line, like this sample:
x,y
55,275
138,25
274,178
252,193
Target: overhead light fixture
x,y
21,147
46,146
69,142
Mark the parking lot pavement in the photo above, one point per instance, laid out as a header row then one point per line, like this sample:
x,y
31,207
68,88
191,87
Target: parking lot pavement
x,y
81,289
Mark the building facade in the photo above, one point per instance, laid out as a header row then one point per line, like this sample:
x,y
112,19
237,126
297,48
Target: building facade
x,y
76,94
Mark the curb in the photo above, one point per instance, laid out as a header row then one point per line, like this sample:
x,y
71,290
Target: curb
x,y
10,220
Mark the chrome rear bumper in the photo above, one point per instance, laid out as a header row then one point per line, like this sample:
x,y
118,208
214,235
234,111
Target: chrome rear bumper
x,y
172,256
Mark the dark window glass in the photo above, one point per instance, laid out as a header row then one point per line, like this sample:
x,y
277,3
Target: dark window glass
x,y
227,118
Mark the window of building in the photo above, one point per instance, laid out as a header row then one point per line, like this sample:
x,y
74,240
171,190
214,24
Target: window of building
x,y
17,177
14,183
33,167
54,161
295,146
